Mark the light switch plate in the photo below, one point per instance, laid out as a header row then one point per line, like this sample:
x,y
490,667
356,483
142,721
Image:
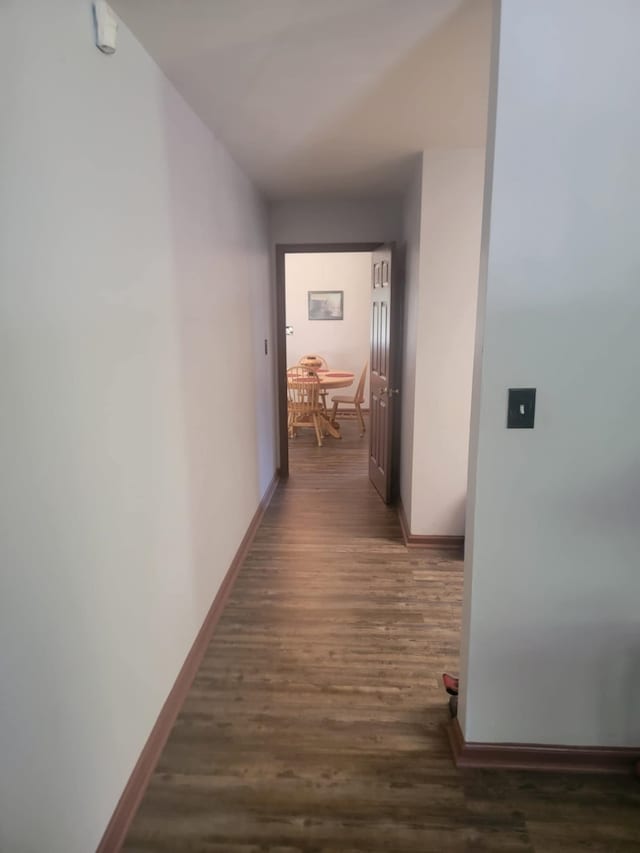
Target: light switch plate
x,y
521,409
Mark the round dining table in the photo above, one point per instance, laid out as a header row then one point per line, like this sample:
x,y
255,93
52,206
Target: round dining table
x,y
329,380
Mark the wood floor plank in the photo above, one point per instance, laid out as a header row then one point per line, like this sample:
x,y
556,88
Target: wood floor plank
x,y
315,722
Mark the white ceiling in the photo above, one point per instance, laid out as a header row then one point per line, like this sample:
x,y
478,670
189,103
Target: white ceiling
x,y
317,97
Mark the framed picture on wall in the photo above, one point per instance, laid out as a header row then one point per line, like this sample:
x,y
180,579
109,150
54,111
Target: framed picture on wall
x,y
326,304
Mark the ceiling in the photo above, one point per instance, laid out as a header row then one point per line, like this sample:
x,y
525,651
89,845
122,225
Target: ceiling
x,y
325,97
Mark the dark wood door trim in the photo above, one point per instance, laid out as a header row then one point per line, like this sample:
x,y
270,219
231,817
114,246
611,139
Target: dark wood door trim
x,y
128,803
384,371
396,362
550,758
283,249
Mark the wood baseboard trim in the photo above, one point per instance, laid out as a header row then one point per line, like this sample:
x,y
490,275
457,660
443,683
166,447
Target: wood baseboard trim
x,y
411,540
128,803
540,757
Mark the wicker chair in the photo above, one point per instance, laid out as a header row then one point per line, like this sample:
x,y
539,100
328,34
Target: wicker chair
x,y
356,400
304,407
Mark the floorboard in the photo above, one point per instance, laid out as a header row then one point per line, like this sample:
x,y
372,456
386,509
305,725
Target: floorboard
x,y
315,722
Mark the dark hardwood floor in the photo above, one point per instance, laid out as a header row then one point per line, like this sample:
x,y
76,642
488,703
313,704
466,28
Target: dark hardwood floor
x,y
316,720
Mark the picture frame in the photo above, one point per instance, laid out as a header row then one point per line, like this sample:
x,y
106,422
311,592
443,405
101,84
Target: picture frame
x,y
326,304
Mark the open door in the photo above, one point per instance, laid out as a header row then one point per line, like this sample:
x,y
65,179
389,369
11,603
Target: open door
x,y
386,330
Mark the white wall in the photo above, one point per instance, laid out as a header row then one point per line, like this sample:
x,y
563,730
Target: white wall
x,y
134,270
450,225
412,206
336,221
343,343
551,642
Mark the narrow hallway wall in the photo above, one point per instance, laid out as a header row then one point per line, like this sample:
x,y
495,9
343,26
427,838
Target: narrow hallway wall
x,y
135,289
551,642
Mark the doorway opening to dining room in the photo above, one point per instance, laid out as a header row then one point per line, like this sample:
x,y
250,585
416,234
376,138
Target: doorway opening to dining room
x,y
335,348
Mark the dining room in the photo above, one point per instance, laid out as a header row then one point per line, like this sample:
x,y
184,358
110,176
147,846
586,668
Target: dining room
x,y
327,306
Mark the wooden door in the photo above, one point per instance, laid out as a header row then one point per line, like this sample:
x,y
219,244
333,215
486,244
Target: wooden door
x,y
385,350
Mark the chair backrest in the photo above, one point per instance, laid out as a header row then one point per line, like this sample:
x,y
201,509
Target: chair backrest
x,y
305,359
303,389
358,397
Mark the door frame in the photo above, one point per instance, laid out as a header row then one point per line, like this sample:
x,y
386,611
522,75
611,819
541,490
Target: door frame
x,y
283,249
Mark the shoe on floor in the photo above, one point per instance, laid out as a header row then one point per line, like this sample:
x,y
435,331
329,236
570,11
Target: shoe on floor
x,y
450,684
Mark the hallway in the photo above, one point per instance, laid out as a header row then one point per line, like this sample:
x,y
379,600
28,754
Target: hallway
x,y
316,720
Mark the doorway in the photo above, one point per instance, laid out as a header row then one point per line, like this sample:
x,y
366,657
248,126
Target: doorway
x,y
329,298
